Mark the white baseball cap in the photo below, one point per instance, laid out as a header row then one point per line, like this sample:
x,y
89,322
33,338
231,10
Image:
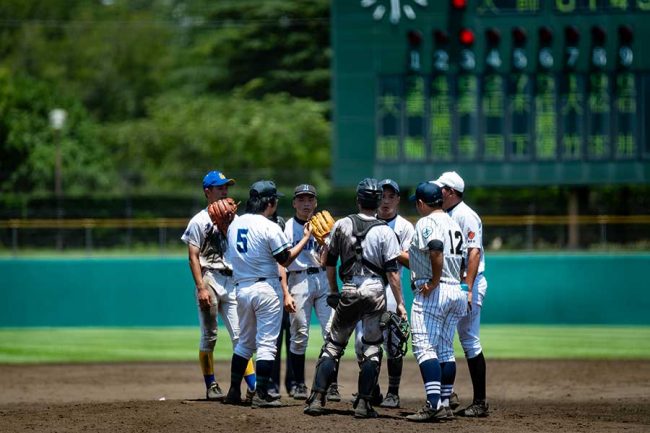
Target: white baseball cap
x,y
452,180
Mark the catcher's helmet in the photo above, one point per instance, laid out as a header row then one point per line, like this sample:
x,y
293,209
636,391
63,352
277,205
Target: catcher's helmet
x,y
369,193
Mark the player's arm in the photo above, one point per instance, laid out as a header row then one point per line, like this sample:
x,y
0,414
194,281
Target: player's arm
x,y
436,257
403,259
202,294
289,302
473,260
287,256
393,276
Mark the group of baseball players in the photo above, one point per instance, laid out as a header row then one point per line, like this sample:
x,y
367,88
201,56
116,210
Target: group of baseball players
x,y
249,270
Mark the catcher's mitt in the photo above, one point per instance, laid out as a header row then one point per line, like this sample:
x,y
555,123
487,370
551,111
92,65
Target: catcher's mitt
x,y
321,224
398,331
222,212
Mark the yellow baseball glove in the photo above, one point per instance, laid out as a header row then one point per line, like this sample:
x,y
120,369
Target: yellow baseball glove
x,y
321,225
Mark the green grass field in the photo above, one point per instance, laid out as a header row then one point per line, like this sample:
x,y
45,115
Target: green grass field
x,y
58,345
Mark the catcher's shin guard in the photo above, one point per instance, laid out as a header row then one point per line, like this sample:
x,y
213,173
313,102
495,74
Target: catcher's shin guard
x,y
325,368
368,377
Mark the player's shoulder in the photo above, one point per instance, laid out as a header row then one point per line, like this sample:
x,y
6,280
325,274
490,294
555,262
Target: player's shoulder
x,y
200,218
402,224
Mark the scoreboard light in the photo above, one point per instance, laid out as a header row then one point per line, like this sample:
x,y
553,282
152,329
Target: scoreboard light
x,y
572,37
625,53
414,38
519,57
459,4
493,58
441,37
598,53
466,37
545,56
441,56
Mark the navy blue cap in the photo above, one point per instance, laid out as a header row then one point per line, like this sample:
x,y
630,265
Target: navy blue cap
x,y
216,178
428,192
391,183
264,188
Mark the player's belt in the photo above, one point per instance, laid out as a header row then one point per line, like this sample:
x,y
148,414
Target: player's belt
x,y
312,270
264,279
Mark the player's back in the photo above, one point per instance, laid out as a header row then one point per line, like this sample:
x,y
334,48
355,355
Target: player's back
x,y
253,239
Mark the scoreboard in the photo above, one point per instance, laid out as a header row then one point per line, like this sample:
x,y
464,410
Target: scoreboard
x,y
507,92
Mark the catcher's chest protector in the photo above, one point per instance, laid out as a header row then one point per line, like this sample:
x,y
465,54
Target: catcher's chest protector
x,y
352,261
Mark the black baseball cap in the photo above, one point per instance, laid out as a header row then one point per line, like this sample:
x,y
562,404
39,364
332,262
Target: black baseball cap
x,y
264,188
391,183
304,189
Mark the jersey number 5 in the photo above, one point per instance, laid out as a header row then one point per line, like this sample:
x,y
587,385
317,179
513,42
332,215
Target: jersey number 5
x,y
459,244
242,240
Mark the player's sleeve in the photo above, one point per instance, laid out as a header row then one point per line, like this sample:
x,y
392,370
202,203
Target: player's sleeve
x,y
392,248
193,234
473,232
278,241
407,236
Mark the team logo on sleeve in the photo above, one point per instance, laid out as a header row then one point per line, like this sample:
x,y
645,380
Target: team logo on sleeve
x,y
471,235
426,232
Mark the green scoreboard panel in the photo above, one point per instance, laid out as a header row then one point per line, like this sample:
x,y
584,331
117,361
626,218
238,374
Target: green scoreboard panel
x,y
507,92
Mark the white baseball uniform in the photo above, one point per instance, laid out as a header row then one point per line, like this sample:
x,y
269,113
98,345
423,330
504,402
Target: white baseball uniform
x,y
217,278
469,326
253,240
434,317
308,285
404,231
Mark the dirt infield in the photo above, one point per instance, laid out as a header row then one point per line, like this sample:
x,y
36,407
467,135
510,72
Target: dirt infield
x,y
540,396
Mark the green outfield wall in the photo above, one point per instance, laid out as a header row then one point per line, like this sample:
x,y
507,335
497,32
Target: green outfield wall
x,y
523,289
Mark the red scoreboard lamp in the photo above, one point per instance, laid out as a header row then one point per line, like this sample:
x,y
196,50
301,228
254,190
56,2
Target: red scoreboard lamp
x,y
414,38
493,57
459,4
519,56
572,38
625,53
545,56
440,54
467,57
598,52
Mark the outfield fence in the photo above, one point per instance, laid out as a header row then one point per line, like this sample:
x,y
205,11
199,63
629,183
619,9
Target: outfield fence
x,y
524,232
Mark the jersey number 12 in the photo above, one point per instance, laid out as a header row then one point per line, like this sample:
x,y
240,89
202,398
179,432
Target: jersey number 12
x,y
458,249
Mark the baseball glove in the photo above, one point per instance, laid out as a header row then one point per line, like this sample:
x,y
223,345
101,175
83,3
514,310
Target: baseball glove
x,y
398,331
222,212
321,224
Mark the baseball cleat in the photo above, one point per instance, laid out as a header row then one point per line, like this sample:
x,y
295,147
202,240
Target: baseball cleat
x,y
391,401
449,416
333,393
428,414
478,409
214,393
315,404
300,392
265,400
233,397
273,393
363,409
249,397
454,401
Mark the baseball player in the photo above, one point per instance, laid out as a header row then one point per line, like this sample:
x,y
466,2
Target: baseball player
x,y
387,211
307,284
469,326
212,275
368,250
436,256
256,248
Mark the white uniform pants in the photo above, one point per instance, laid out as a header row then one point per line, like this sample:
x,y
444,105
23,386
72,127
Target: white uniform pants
x,y
469,326
308,291
433,322
259,305
223,303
